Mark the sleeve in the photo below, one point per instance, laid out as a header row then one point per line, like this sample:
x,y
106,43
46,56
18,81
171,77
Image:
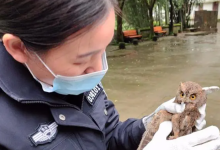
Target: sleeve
x,y
122,135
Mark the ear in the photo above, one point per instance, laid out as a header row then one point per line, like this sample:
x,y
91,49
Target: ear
x,y
15,48
181,84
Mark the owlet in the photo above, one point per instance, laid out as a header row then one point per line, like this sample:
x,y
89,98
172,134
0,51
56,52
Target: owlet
x,y
194,97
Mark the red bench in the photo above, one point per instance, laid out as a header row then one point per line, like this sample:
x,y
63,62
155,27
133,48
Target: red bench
x,y
159,30
131,34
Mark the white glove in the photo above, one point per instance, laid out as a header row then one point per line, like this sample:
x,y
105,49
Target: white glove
x,y
171,107
179,108
195,141
210,89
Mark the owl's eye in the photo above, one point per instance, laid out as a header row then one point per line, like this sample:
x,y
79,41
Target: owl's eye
x,y
182,94
193,97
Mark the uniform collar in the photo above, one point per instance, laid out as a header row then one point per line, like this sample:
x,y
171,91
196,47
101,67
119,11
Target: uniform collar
x,y
17,82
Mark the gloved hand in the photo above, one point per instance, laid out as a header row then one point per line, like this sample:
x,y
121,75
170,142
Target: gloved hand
x,y
195,141
179,108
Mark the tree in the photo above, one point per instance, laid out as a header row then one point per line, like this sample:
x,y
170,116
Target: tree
x,y
162,4
171,16
150,5
135,13
121,4
177,12
159,13
166,11
185,9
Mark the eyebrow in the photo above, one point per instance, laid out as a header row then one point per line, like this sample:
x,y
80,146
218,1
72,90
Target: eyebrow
x,y
88,54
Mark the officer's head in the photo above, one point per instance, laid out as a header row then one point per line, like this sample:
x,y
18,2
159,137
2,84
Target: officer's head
x,y
69,35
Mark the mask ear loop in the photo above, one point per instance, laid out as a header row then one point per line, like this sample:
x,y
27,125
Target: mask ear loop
x,y
41,62
45,65
31,72
27,53
104,62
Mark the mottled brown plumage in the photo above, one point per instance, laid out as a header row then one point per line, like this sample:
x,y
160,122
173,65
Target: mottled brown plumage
x,y
194,97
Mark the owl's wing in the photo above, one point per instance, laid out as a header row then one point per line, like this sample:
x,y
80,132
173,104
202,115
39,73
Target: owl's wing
x,y
210,89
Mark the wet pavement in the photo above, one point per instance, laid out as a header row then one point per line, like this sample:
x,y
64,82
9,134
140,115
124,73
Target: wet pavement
x,y
141,78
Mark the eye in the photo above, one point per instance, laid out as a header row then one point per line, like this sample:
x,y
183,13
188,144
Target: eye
x,y
77,64
193,97
182,94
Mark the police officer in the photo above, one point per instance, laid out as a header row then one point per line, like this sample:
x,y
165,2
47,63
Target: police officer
x,y
52,59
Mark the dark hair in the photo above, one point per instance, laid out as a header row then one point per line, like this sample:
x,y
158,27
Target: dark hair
x,y
45,24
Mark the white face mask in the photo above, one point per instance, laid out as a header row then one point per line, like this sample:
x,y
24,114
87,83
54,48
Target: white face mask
x,y
73,85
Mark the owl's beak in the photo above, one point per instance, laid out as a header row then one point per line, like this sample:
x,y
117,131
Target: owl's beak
x,y
185,100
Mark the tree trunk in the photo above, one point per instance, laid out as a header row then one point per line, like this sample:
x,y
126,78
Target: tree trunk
x,y
188,22
156,15
151,22
119,29
159,16
150,7
171,17
184,18
181,19
119,23
189,13
166,12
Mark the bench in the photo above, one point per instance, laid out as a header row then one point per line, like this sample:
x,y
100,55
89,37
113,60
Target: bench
x,y
159,30
129,35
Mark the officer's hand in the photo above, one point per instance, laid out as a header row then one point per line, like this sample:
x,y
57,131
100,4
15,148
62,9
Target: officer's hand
x,y
207,139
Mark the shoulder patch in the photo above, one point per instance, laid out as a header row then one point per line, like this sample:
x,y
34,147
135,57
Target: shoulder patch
x,y
92,95
103,89
45,133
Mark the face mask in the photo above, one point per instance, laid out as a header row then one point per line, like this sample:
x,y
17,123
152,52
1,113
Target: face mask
x,y
73,85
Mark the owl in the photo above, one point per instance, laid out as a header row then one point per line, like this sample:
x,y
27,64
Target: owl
x,y
194,97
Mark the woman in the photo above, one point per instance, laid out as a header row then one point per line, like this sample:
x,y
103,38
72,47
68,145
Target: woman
x,y
52,59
